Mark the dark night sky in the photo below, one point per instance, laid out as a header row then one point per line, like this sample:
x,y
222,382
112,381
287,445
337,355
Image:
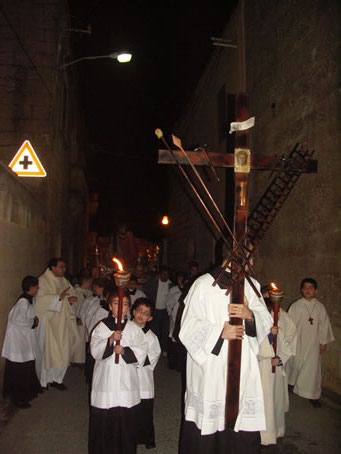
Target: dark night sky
x,y
123,104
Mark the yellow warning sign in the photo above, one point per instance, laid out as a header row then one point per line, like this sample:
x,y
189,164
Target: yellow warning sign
x,y
26,163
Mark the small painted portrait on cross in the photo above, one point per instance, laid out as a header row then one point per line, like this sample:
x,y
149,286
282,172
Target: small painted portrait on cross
x,y
242,160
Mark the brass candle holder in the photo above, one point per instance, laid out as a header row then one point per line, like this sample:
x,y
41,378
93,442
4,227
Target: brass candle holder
x,y
122,278
276,296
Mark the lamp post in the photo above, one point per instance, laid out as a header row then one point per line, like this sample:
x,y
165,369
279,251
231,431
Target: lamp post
x,y
121,57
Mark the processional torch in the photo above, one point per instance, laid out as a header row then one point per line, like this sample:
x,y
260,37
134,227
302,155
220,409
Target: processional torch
x,y
121,280
276,297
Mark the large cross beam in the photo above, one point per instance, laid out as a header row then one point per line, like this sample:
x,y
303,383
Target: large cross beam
x,y
242,160
225,160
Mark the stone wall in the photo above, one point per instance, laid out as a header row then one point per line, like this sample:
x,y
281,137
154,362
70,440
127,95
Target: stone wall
x,y
293,78
39,217
287,62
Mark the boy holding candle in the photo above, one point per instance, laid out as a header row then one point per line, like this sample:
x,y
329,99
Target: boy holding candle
x,y
272,369
143,310
314,332
115,387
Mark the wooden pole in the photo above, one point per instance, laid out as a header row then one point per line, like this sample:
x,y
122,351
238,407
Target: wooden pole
x,y
121,294
237,297
274,343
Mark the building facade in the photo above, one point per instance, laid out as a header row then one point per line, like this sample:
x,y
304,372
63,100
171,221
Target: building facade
x,y
39,217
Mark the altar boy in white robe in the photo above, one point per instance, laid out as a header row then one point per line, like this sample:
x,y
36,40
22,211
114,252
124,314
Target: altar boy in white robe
x,y
314,332
115,387
20,380
58,338
142,311
205,331
275,385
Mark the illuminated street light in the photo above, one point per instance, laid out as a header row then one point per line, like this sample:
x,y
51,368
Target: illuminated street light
x,y
165,221
121,57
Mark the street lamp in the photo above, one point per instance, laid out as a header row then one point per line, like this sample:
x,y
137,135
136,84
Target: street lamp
x,y
165,221
121,57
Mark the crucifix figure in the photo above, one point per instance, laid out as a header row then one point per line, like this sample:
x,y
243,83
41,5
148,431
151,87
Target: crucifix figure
x,y
248,229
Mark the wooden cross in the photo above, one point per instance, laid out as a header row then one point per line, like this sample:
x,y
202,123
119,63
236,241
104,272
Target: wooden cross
x,y
288,171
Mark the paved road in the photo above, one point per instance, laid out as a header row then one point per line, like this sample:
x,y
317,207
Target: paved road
x,y
57,423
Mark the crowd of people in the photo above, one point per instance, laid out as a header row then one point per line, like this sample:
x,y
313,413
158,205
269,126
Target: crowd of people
x,y
60,320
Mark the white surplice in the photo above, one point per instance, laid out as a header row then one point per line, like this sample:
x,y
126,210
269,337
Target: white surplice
x,y
304,370
172,307
134,296
146,373
91,313
275,386
116,385
99,314
57,333
20,343
206,310
82,294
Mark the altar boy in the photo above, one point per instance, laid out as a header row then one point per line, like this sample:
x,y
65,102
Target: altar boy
x,y
20,380
275,385
314,332
142,311
115,387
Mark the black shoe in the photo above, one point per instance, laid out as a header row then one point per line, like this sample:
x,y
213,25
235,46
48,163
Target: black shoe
x,y
59,386
150,446
315,403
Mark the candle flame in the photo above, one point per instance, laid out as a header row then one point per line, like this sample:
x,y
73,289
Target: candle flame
x,y
274,286
118,263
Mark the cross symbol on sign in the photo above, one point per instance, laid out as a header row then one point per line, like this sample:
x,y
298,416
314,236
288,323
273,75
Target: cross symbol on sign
x,y
25,163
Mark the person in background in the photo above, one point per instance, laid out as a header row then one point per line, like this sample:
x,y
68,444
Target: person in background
x,y
173,304
82,290
193,269
94,309
314,332
58,339
141,276
157,290
133,291
21,384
